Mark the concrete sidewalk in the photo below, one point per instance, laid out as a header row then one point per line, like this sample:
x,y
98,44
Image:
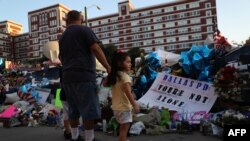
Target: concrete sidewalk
x,y
52,134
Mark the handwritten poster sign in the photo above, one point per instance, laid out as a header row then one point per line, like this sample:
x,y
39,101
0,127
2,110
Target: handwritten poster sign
x,y
192,99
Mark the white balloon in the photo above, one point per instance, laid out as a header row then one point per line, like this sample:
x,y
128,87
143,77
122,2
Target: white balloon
x,y
51,50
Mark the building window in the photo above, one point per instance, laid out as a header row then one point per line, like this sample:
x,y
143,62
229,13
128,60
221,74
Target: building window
x,y
135,37
158,19
209,21
115,40
106,41
136,44
33,18
157,11
144,14
183,38
171,39
170,32
157,26
35,48
208,5
195,29
53,14
53,30
194,5
181,7
145,28
158,41
196,36
53,23
134,23
170,24
34,27
183,30
145,21
115,33
209,29
158,34
35,54
195,21
104,21
135,15
169,9
208,13
35,41
182,22
134,30
45,35
53,37
170,47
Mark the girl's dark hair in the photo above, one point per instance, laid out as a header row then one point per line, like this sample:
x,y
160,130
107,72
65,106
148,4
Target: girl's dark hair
x,y
116,65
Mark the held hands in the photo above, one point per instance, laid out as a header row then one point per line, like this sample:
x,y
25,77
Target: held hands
x,y
108,69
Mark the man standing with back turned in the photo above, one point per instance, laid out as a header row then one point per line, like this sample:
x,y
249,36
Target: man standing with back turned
x,y
78,48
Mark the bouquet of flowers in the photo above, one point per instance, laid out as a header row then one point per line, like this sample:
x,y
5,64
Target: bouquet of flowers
x,y
227,83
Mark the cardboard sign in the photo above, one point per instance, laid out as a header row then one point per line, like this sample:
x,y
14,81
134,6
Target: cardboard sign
x,y
192,99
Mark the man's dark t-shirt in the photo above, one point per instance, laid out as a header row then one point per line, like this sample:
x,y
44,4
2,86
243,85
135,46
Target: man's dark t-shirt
x,y
75,54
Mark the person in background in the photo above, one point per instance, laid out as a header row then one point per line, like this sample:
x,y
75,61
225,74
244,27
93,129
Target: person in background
x,y
78,47
122,99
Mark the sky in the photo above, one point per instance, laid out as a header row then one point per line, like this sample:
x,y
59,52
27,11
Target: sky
x,y
233,15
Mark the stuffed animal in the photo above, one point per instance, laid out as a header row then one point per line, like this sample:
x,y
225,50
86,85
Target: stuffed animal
x,y
52,117
33,119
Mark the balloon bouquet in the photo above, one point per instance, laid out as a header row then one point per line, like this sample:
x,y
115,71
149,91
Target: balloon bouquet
x,y
146,73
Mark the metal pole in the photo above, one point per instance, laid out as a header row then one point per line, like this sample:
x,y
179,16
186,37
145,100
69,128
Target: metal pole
x,y
85,14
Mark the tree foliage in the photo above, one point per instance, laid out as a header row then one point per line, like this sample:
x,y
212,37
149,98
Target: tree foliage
x,y
108,50
134,53
248,41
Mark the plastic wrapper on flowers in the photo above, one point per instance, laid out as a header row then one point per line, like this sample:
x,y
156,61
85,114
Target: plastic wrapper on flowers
x,y
196,62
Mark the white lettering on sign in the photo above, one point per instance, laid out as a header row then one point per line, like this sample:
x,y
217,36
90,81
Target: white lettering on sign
x,y
235,132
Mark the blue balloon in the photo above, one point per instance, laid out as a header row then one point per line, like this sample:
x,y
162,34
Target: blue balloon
x,y
25,88
35,95
198,61
152,74
206,52
205,74
186,63
193,50
143,80
153,60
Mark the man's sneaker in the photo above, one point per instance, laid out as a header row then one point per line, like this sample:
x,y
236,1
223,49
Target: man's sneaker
x,y
78,139
66,135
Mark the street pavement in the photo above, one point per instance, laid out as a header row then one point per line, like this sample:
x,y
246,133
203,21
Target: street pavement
x,y
52,134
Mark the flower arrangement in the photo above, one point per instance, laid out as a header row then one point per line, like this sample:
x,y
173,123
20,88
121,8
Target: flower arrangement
x,y
227,83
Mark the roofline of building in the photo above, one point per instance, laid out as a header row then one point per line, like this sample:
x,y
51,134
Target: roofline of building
x,y
48,7
10,21
22,34
140,9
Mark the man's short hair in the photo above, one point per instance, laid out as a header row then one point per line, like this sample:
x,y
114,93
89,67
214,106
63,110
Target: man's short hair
x,y
73,15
